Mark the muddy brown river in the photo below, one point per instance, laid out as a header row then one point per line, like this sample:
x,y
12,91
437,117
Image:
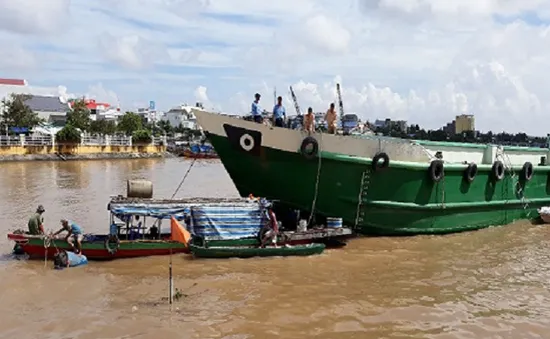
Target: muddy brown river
x,y
486,284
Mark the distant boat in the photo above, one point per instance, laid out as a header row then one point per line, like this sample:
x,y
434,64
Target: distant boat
x,y
200,152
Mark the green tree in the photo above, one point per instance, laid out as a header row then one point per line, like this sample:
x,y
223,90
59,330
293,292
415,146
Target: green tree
x,y
129,123
68,134
79,115
15,113
165,126
141,136
105,127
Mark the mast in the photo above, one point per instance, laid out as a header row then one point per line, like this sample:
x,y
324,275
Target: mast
x,y
296,106
340,104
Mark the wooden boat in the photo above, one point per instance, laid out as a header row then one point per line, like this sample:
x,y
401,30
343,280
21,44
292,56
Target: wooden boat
x,y
194,155
95,247
200,152
253,251
136,227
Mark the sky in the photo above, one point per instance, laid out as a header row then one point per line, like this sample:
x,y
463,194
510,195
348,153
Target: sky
x,y
424,61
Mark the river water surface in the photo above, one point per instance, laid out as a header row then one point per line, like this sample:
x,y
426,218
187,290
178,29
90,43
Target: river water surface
x,y
491,283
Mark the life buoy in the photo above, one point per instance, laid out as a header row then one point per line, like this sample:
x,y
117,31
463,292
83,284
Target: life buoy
x,y
527,171
247,142
470,172
376,165
309,147
497,170
436,170
112,239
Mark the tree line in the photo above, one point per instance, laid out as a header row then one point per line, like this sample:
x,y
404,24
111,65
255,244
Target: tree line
x,y
15,113
502,138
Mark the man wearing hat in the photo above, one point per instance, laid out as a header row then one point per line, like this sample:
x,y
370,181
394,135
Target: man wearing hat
x,y
256,109
36,222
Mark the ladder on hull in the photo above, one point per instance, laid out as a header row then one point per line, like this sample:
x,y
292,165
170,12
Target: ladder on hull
x,y
363,196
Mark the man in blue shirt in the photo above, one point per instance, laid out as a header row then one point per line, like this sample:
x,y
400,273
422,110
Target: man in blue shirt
x,y
257,110
74,232
279,113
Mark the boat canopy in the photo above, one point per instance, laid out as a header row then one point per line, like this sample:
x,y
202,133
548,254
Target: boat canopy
x,y
166,212
213,219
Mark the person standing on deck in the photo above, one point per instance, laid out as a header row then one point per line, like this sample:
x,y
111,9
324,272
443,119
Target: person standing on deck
x,y
279,113
331,118
256,109
309,121
74,233
36,222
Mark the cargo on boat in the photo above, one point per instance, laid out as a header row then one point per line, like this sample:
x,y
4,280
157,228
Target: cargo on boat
x,y
382,185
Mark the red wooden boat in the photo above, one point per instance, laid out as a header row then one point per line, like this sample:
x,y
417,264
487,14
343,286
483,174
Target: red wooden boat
x,y
95,247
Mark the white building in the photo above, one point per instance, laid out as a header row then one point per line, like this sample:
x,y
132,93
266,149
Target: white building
x,y
182,115
149,115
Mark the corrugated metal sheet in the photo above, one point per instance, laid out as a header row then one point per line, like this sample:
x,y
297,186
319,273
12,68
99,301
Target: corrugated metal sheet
x,y
48,104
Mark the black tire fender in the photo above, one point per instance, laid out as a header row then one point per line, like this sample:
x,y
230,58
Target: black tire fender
x,y
436,171
497,170
527,171
376,165
112,239
470,172
314,147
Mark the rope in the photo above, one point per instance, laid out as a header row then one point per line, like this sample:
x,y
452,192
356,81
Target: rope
x,y
514,179
316,181
184,177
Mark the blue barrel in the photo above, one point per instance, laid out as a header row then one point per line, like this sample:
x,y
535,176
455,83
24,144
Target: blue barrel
x,y
334,222
113,229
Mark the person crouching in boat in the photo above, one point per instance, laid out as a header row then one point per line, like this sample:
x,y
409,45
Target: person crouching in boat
x,y
36,222
64,259
270,230
74,233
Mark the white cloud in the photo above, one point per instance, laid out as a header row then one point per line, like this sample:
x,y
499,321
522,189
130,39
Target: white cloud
x,y
200,94
420,60
34,16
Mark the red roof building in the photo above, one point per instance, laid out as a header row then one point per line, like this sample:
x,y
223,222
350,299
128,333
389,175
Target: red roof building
x,y
13,82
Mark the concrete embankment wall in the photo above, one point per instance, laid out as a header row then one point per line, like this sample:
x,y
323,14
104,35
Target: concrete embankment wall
x,y
79,152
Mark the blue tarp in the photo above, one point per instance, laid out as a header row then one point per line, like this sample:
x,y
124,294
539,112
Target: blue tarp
x,y
224,222
19,130
201,148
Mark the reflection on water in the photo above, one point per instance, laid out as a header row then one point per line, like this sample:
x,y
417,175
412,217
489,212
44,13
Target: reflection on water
x,y
488,284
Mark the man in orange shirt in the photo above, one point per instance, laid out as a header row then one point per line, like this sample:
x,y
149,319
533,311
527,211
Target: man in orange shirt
x,y
309,121
331,118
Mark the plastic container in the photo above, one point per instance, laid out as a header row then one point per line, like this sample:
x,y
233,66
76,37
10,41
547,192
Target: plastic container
x,y
302,225
334,222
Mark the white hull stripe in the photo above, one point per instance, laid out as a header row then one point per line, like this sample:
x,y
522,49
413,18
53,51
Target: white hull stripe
x,y
289,140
